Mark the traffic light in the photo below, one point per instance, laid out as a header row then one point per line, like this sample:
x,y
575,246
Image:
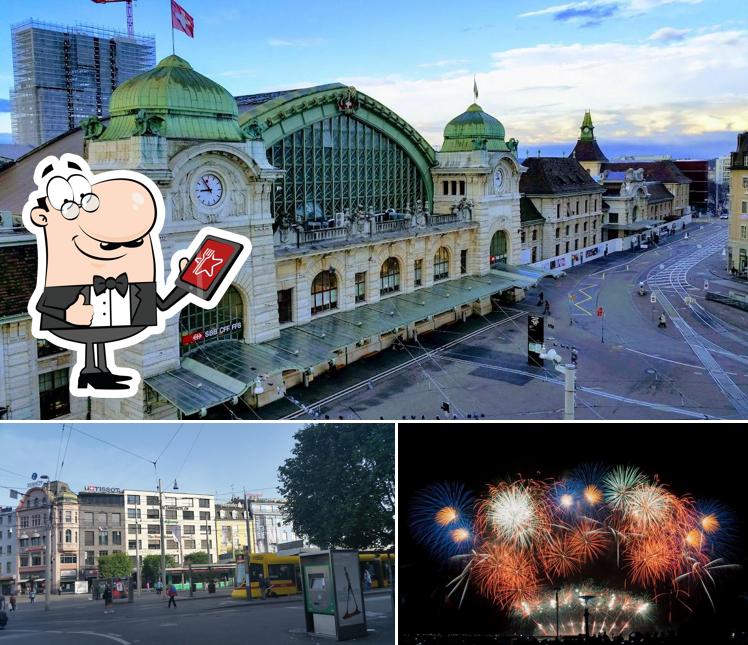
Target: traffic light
x,y
574,355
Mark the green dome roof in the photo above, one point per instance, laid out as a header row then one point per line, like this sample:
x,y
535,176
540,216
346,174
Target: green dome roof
x,y
175,101
474,129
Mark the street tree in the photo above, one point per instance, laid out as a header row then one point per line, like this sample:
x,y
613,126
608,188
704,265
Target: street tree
x,y
152,567
198,557
116,565
339,485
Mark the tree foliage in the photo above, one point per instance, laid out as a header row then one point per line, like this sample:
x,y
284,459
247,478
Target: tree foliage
x,y
152,567
116,565
339,485
198,557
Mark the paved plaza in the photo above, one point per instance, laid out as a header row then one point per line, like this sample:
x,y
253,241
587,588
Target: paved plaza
x,y
200,620
628,367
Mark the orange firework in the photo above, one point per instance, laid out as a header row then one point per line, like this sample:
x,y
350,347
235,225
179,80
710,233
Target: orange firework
x,y
459,535
651,560
593,495
445,516
505,575
558,556
588,541
710,523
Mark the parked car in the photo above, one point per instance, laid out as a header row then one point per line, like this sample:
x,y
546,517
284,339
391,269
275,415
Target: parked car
x,y
724,217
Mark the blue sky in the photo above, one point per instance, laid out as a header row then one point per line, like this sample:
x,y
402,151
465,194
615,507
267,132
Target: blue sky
x,y
665,75
203,457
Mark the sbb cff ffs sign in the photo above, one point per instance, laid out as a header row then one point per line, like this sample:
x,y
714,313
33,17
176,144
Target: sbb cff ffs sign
x,y
535,339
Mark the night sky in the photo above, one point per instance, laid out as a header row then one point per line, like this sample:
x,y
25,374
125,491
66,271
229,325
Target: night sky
x,y
705,461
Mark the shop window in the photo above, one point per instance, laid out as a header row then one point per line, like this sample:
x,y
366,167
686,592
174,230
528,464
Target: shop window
x,y
441,264
324,292
54,394
389,276
360,287
285,306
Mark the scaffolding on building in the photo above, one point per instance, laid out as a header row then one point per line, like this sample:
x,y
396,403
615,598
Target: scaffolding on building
x,y
63,74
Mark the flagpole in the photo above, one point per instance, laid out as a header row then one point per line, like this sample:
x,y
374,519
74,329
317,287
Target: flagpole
x,y
171,21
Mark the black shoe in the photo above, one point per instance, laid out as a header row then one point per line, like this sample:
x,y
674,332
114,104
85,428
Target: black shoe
x,y
117,378
100,381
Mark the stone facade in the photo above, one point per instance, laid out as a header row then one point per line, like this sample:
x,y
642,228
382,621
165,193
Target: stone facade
x,y
8,550
738,231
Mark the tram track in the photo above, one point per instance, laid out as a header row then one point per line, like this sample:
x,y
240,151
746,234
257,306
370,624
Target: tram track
x,y
673,278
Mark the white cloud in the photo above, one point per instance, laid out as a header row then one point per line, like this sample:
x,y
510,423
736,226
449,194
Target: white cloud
x,y
238,73
669,34
651,89
295,42
445,63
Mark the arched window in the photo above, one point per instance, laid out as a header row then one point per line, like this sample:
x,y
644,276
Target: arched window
x,y
441,264
389,276
198,326
498,247
324,292
68,536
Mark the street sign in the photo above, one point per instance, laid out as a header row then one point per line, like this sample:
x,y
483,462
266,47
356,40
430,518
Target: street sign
x,y
600,312
653,298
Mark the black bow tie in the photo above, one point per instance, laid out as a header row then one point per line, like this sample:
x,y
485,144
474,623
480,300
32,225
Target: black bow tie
x,y
120,283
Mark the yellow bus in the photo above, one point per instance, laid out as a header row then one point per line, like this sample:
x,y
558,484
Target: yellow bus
x,y
284,574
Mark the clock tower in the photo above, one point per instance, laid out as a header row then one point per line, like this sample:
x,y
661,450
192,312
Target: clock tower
x,y
477,179
587,152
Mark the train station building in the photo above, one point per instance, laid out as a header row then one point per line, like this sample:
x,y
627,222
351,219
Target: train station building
x,y
362,234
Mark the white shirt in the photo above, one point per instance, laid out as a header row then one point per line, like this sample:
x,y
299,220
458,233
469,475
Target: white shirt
x,y
110,308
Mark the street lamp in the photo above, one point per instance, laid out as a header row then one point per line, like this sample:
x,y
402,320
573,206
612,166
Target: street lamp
x,y
557,589
586,598
570,374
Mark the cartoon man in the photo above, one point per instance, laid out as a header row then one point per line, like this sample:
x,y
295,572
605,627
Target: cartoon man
x,y
100,274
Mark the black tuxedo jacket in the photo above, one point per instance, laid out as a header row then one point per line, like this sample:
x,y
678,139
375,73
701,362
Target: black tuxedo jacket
x,y
144,303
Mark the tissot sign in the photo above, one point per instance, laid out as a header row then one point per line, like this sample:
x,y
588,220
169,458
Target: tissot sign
x,y
102,489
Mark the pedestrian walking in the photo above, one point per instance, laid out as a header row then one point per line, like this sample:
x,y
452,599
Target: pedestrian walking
x,y
159,587
32,596
547,309
367,579
265,587
172,593
108,600
663,320
541,298
13,601
2,601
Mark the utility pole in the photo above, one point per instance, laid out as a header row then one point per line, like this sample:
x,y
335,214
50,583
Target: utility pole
x,y
50,535
137,557
248,551
570,376
163,537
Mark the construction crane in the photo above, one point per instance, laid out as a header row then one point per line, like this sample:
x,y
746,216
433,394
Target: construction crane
x,y
128,4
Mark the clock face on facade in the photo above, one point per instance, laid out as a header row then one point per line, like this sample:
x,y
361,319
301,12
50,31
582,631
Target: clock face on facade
x,y
208,189
498,179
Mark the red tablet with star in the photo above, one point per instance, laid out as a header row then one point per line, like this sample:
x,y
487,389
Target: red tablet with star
x,y
207,269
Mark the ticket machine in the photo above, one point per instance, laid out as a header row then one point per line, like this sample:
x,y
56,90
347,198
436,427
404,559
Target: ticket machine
x,y
333,595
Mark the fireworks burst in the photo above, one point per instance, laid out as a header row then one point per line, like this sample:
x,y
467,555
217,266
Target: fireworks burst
x,y
441,519
529,535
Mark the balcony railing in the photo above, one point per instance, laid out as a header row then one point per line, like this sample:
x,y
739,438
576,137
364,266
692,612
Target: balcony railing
x,y
436,220
320,235
389,226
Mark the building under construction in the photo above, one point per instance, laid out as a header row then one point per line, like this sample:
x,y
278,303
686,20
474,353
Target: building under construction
x,y
64,74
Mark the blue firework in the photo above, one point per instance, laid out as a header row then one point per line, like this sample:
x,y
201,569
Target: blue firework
x,y
441,519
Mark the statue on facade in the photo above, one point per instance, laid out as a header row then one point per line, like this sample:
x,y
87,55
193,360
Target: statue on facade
x,y
148,124
463,209
512,144
253,131
348,101
92,127
420,214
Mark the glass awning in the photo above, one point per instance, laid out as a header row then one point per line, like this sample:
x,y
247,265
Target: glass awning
x,y
306,346
190,391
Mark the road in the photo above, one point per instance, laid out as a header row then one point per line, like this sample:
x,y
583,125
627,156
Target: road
x,y
200,621
629,368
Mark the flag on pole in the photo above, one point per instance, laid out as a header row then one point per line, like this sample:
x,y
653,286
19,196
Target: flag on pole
x,y
14,494
181,20
176,532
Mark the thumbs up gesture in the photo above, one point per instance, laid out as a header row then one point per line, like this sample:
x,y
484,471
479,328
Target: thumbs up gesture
x,y
79,313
